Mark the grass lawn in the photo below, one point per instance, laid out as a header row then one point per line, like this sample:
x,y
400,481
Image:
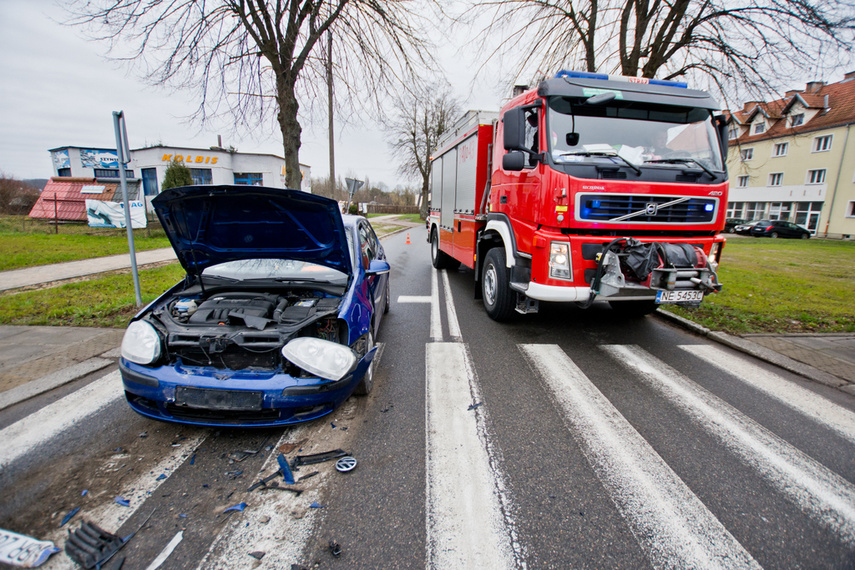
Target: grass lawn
x,y
781,286
28,243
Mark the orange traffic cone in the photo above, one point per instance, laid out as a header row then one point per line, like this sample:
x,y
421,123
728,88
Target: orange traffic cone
x,y
408,238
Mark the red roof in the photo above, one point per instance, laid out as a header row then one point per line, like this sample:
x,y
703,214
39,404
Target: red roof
x,y
63,197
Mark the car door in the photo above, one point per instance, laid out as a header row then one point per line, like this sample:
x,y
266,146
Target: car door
x,y
370,249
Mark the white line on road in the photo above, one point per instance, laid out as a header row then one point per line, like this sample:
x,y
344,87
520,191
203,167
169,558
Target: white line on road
x,y
817,491
414,299
807,402
164,554
450,311
51,381
23,436
468,519
435,322
671,524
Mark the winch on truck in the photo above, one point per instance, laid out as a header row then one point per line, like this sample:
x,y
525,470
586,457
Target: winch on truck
x,y
590,187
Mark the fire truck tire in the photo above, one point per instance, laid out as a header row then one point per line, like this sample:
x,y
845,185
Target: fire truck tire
x,y
634,309
439,258
498,298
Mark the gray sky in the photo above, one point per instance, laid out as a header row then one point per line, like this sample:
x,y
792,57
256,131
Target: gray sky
x,y
58,90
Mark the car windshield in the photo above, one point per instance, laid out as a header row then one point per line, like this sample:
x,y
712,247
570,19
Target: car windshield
x,y
275,269
641,135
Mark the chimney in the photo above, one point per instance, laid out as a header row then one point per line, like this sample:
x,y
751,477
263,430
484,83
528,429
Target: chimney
x,y
814,86
220,141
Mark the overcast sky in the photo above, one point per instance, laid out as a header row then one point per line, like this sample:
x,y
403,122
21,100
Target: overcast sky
x,y
56,89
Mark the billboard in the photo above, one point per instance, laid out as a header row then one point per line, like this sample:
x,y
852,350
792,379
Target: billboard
x,y
99,158
112,214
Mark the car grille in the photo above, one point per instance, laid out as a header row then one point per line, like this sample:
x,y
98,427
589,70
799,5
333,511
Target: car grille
x,y
644,208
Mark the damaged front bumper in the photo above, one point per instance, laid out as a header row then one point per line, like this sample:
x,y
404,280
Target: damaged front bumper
x,y
207,396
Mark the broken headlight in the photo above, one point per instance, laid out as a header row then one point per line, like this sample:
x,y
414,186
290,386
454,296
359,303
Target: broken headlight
x,y
326,359
141,343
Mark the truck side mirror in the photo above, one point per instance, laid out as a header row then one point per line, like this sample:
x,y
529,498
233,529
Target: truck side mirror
x,y
572,139
721,123
514,129
514,160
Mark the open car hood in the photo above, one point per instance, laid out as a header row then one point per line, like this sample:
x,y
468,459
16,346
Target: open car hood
x,y
208,225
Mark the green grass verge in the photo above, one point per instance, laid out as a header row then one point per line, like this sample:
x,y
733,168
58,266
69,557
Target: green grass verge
x,y
107,301
781,286
29,243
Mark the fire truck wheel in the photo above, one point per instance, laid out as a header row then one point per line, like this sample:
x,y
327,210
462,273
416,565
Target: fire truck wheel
x,y
439,258
495,287
634,309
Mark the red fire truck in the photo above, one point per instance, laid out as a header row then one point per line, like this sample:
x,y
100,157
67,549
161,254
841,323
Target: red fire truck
x,y
589,187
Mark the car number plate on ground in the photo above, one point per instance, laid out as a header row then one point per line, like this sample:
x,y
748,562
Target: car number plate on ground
x,y
679,296
218,399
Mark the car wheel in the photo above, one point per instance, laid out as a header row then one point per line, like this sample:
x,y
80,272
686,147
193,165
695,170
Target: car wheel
x,y
773,235
805,236
388,297
495,286
439,258
633,309
367,383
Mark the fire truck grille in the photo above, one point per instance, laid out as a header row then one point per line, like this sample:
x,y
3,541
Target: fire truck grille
x,y
642,208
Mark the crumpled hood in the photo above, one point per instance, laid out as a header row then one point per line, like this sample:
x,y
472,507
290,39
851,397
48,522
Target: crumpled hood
x,y
208,225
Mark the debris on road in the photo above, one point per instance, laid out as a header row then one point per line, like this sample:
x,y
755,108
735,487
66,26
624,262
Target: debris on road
x,y
345,464
122,501
335,548
473,406
238,507
285,470
316,505
318,457
67,517
24,551
258,555
164,554
90,545
310,475
287,448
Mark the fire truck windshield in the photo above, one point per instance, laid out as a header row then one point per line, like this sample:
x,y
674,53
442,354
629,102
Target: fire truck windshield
x,y
651,136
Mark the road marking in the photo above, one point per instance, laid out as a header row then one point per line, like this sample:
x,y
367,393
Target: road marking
x,y
817,491
25,435
435,322
670,523
818,408
414,299
468,521
450,311
51,381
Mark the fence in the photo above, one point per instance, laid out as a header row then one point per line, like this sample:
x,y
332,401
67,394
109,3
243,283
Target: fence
x,y
386,209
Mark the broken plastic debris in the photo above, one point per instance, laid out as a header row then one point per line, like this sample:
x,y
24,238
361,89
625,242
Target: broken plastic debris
x,y
23,551
84,493
161,477
335,548
90,545
258,555
316,505
286,471
473,406
122,501
67,517
238,507
333,425
318,457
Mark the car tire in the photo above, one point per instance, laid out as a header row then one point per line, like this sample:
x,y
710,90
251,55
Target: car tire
x,y
367,383
439,259
388,297
499,300
805,236
634,309
773,235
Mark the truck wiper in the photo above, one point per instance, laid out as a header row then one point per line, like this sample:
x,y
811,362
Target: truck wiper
x,y
684,160
604,154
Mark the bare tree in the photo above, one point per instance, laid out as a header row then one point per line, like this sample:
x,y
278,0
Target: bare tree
x,y
16,196
252,59
732,43
420,119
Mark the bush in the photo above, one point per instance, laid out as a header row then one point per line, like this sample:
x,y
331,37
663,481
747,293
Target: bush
x,y
353,209
16,197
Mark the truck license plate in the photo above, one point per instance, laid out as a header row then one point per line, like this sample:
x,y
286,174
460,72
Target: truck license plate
x,y
679,296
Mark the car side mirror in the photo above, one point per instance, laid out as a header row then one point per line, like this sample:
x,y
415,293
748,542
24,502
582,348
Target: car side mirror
x,y
513,123
514,160
378,267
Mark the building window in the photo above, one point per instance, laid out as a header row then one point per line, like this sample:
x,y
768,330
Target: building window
x,y
63,172
807,215
759,128
747,153
850,211
149,181
754,210
734,209
248,178
797,120
733,133
742,181
110,173
780,210
776,178
822,144
781,149
816,176
201,176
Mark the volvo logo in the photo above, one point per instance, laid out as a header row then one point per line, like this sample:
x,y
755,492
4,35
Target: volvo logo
x,y
651,208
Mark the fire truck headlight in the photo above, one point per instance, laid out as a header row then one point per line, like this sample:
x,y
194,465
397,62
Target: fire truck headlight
x,y
559,261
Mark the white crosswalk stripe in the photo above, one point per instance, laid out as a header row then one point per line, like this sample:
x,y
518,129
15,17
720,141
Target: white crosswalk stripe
x,y
817,491
670,523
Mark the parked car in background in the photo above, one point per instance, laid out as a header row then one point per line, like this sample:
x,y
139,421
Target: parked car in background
x,y
731,223
745,229
779,228
276,318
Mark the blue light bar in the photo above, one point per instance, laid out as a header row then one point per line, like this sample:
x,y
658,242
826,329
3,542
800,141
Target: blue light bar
x,y
605,77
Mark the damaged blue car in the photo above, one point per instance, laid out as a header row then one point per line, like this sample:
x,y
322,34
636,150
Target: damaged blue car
x,y
275,321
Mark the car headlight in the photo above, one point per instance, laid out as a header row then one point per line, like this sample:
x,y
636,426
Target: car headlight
x,y
141,343
559,260
324,358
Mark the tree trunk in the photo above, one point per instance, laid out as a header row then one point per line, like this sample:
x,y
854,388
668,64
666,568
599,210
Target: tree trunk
x,y
291,134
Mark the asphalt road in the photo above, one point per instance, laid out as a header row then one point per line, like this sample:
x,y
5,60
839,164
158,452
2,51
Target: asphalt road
x,y
565,439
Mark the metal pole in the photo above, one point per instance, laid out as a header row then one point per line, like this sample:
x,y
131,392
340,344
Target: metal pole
x,y
123,151
330,112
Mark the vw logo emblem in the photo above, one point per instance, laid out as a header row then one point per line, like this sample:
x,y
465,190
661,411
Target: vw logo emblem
x,y
651,208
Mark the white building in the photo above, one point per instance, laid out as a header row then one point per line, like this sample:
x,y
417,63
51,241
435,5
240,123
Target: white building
x,y
207,166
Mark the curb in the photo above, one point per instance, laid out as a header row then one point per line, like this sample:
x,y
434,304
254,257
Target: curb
x,y
761,352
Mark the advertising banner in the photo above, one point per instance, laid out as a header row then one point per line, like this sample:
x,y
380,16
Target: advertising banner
x,y
112,214
60,159
99,158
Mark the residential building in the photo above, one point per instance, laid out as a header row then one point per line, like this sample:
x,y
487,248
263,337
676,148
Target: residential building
x,y
794,159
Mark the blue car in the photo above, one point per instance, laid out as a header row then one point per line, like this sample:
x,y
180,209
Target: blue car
x,y
275,320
